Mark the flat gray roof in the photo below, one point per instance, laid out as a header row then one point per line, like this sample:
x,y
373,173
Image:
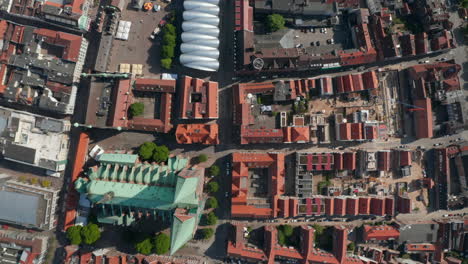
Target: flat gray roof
x,y
18,208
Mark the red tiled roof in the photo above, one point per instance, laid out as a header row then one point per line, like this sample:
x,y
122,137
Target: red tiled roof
x,y
206,134
339,206
423,118
403,205
349,160
352,206
121,103
199,99
420,247
71,44
72,196
377,206
389,206
405,158
364,205
383,160
296,134
241,162
155,85
370,80
163,124
326,86
253,135
382,232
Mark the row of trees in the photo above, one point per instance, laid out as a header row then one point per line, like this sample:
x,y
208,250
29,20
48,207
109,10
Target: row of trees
x,y
44,183
149,151
83,234
169,43
159,244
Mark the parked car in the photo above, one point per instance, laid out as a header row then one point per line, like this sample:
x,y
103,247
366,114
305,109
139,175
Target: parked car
x,y
155,32
156,8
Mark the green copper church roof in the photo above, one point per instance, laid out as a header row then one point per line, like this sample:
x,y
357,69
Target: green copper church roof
x,y
119,182
181,232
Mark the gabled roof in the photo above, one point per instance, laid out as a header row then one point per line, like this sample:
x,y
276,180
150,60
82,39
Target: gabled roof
x,y
182,230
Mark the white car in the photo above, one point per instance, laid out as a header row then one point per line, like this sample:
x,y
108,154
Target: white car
x,y
156,8
155,32
95,152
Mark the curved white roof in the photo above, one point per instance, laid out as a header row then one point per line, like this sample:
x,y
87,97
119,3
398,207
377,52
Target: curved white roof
x,y
200,37
188,47
214,54
214,43
189,5
204,66
206,20
189,15
216,2
189,26
213,32
187,58
210,10
189,36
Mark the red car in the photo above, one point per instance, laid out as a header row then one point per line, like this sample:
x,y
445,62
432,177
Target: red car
x,y
162,23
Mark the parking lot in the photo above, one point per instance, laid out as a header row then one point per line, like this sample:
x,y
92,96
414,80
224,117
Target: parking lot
x,y
139,48
322,40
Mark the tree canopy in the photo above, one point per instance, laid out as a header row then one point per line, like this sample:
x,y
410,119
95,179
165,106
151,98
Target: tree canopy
x,y
162,242
151,151
146,150
212,202
144,247
90,233
161,153
214,170
288,230
169,29
274,22
137,109
213,187
202,158
166,63
74,235
207,233
211,219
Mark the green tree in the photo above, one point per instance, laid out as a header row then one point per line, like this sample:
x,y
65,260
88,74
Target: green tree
x,y
161,153
90,233
166,63
45,183
287,230
22,178
169,40
213,187
146,150
202,158
274,22
144,247
207,233
211,218
167,51
281,237
214,170
318,229
405,256
212,202
74,235
136,109
162,242
169,29
351,246
33,180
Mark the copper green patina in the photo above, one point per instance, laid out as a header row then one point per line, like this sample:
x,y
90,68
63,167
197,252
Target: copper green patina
x,y
124,189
